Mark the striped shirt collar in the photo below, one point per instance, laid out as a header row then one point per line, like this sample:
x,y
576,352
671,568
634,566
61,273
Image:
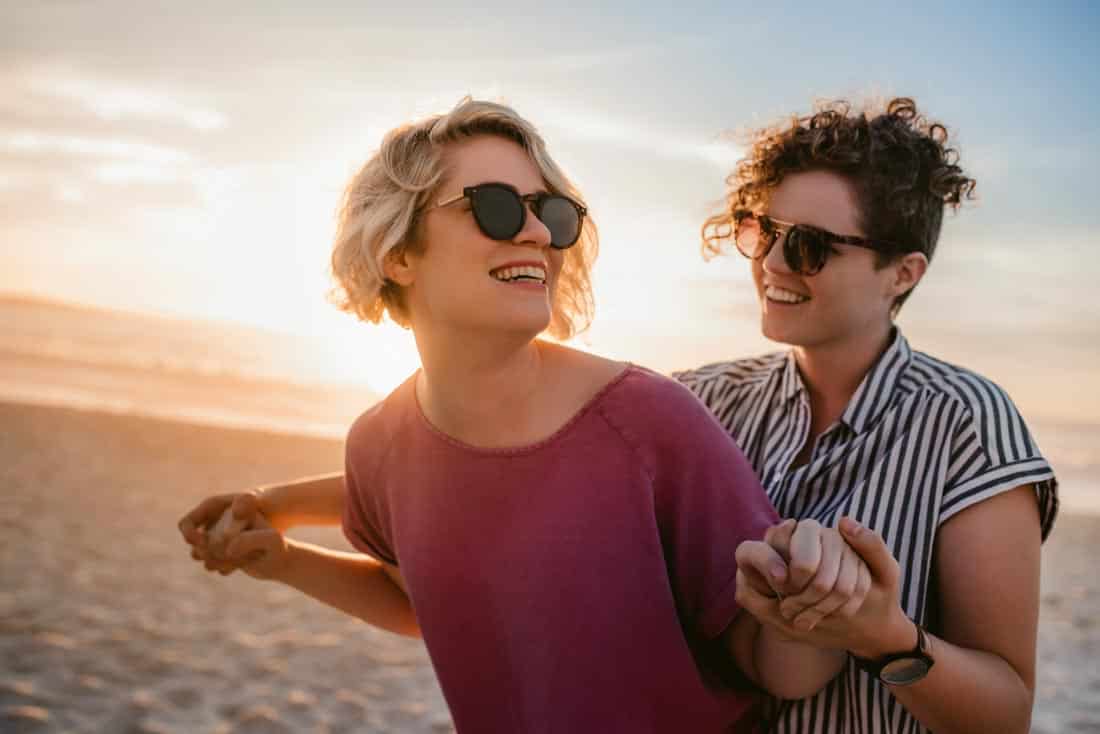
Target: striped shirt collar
x,y
874,392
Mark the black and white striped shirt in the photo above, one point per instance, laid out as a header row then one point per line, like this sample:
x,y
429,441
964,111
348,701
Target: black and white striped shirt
x,y
920,441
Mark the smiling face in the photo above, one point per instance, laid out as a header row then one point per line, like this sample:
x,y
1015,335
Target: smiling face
x,y
460,279
848,301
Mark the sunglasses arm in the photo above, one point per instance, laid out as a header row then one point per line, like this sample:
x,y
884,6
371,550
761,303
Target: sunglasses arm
x,y
453,199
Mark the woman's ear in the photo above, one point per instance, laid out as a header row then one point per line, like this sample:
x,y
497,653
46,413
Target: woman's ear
x,y
908,270
399,267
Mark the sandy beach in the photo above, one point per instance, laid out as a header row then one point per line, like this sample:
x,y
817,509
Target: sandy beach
x,y
107,625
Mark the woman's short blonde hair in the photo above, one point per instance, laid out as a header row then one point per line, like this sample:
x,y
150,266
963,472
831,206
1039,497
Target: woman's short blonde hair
x,y
383,204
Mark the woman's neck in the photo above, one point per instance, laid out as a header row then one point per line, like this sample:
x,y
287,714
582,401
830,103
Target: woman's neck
x,y
484,391
833,372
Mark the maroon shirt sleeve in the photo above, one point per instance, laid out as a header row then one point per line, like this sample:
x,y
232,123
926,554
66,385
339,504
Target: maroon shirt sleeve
x,y
707,501
365,516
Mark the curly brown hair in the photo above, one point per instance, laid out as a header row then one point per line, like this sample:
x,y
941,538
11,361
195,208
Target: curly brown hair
x,y
903,172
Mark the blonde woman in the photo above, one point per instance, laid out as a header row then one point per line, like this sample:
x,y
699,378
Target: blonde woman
x,y
559,528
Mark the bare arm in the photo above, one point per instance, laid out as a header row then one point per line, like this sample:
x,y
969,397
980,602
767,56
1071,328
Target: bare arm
x,y
311,501
987,571
987,564
315,500
786,660
351,582
782,666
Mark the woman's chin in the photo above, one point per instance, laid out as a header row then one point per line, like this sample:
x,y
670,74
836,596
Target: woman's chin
x,y
524,321
780,332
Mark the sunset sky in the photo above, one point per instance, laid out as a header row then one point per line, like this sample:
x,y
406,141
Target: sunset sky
x,y
187,158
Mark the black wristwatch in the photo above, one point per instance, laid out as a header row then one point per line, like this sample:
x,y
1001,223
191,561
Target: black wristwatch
x,y
900,668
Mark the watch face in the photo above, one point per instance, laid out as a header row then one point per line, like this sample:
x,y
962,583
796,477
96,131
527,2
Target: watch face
x,y
904,671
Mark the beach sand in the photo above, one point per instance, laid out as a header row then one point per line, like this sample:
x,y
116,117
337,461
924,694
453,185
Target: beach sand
x,y
107,625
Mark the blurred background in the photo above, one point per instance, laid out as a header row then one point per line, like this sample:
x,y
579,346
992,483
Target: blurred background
x,y
185,161
169,175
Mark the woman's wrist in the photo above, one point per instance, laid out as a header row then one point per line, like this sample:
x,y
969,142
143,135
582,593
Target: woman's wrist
x,y
897,635
271,503
285,571
310,501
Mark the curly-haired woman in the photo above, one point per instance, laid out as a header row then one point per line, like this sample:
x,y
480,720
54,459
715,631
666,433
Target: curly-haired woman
x,y
839,213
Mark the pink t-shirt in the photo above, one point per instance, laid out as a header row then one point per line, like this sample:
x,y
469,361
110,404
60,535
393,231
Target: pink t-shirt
x,y
575,585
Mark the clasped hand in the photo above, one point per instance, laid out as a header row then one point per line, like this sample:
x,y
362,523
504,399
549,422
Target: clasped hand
x,y
244,539
834,588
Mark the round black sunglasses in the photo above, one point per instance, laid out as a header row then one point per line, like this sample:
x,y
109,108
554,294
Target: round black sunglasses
x,y
501,212
805,248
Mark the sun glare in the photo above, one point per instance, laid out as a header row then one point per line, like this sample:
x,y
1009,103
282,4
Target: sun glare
x,y
347,351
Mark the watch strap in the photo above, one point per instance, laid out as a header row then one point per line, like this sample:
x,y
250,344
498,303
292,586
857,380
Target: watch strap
x,y
874,666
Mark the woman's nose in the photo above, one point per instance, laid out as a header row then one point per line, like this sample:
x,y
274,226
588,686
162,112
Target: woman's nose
x,y
775,261
534,231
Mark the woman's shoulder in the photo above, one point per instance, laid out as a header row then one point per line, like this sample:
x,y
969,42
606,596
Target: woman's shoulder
x,y
647,403
381,419
573,361
670,430
734,373
975,392
612,380
578,377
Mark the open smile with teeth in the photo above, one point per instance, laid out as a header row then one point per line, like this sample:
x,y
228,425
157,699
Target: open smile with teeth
x,y
775,293
520,274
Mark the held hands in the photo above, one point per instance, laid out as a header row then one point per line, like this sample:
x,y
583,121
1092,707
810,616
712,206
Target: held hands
x,y
229,532
830,588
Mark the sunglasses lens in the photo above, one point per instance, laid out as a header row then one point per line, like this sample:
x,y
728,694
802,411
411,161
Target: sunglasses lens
x,y
805,250
562,219
748,237
499,212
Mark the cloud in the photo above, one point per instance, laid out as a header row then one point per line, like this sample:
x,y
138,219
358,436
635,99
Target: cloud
x,y
47,89
114,101
115,173
667,144
76,145
84,139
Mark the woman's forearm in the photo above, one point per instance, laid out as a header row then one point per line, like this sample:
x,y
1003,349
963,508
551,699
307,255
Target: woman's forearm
x,y
790,669
783,667
350,582
987,566
968,691
315,500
